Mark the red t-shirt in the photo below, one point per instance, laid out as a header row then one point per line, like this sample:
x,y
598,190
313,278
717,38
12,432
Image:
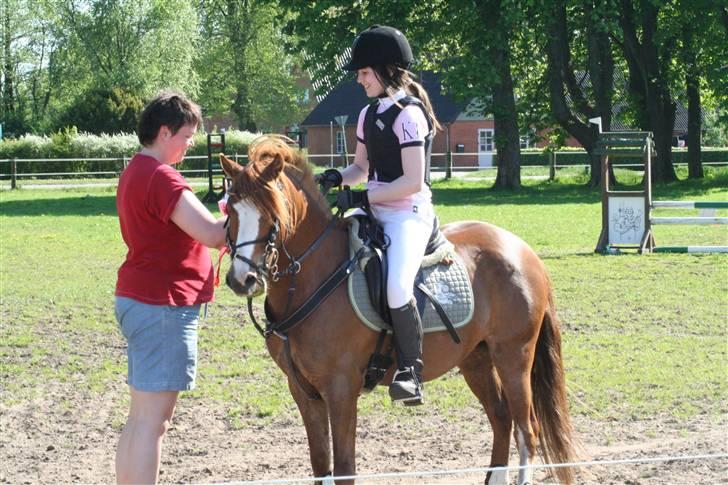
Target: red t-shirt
x,y
164,266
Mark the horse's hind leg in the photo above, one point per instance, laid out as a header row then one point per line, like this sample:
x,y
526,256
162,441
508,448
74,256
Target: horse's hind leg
x,y
482,379
513,363
316,421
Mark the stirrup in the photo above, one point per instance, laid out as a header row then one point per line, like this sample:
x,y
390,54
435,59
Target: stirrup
x,y
406,387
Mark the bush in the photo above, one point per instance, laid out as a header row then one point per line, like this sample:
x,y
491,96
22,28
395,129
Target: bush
x,y
104,111
69,143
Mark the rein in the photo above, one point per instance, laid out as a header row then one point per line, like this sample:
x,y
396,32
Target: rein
x,y
269,268
281,328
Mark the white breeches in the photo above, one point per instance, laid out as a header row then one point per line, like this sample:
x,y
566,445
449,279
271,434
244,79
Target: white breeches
x,y
409,232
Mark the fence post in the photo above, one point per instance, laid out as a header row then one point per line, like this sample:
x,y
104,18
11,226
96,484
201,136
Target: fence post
x,y
13,174
552,166
448,164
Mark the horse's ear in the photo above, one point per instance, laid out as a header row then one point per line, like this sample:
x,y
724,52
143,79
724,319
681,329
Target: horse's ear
x,y
274,167
230,168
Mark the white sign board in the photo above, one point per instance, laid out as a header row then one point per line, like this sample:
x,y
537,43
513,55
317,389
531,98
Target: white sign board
x,y
626,220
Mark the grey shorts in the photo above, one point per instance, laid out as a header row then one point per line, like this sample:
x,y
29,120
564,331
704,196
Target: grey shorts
x,y
162,344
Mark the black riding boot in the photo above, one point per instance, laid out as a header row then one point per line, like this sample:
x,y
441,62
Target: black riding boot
x,y
406,385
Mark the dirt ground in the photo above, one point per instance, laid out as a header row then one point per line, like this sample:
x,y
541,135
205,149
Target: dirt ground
x,y
53,440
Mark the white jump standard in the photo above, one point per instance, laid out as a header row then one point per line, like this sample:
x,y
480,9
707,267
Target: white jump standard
x,y
627,215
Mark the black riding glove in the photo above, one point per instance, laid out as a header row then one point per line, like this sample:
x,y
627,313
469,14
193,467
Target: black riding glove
x,y
328,179
351,199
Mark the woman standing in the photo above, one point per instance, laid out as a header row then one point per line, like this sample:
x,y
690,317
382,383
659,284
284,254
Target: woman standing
x,y
394,137
166,276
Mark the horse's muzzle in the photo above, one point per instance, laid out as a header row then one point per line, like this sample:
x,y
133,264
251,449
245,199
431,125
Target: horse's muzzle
x,y
251,286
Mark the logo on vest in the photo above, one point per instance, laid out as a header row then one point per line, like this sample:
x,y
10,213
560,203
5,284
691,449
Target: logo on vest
x,y
379,124
407,129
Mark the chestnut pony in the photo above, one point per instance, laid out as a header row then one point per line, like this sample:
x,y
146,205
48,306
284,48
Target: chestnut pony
x,y
284,244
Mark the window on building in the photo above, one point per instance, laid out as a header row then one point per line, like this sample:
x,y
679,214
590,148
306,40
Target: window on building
x,y
525,141
485,140
339,142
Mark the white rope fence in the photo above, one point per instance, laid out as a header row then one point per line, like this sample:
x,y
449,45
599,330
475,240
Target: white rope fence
x,y
462,471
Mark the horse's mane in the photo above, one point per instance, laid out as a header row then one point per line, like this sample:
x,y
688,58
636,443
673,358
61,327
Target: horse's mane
x,y
279,182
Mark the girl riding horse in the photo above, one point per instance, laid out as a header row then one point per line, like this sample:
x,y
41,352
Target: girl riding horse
x,y
394,137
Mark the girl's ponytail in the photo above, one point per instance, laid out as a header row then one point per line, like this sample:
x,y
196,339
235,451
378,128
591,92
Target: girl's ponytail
x,y
415,89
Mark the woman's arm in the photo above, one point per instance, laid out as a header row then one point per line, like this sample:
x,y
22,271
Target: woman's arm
x,y
358,171
193,218
410,182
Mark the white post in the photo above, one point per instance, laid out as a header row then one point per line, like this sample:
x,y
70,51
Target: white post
x,y
331,141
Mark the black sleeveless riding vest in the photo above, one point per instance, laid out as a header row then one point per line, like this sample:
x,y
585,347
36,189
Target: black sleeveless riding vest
x,y
383,147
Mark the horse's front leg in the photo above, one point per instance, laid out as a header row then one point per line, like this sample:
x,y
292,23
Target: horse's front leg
x,y
341,398
316,421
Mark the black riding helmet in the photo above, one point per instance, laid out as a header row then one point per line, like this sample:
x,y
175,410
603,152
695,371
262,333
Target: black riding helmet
x,y
379,45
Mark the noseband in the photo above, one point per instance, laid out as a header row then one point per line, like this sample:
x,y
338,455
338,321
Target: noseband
x,y
270,256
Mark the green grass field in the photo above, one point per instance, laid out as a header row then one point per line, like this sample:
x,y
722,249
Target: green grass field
x,y
643,335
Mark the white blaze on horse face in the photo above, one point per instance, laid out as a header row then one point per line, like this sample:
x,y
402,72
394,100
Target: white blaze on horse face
x,y
248,227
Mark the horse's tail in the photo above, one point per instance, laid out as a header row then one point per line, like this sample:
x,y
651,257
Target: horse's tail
x,y
550,400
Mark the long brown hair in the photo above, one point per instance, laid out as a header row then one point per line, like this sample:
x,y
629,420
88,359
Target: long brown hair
x,y
395,77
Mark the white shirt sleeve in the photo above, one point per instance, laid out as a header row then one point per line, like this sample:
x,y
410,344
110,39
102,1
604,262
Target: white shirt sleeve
x,y
360,124
410,126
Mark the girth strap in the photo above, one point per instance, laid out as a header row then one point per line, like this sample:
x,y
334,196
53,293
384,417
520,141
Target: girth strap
x,y
312,303
440,311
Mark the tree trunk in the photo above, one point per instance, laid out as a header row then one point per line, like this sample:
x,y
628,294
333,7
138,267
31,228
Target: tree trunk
x,y
648,83
560,75
692,82
695,165
8,71
239,28
507,140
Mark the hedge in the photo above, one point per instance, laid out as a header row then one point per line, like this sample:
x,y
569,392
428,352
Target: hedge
x,y
71,144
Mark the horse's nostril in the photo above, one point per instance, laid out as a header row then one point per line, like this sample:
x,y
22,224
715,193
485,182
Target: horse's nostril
x,y
250,280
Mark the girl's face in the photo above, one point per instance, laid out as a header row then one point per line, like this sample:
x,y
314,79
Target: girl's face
x,y
369,80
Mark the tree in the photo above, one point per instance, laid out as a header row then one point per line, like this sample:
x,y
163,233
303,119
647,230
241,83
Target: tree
x,y
244,67
648,45
498,18
713,60
25,60
689,57
104,111
137,47
579,89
